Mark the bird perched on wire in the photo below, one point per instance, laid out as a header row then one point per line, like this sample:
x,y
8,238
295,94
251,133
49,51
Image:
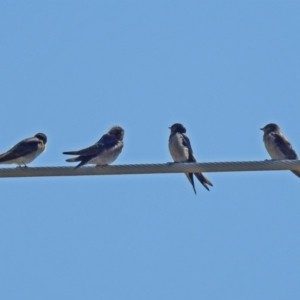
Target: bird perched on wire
x,y
277,144
25,151
181,151
104,152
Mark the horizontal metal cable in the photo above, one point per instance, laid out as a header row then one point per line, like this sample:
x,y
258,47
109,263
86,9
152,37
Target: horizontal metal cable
x,y
269,165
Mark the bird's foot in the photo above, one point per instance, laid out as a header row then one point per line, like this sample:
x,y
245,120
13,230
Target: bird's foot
x,y
22,167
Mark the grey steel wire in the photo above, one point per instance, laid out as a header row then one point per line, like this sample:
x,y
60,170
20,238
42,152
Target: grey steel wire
x,y
269,165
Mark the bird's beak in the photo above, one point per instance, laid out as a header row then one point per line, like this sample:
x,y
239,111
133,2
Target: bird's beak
x,y
261,129
169,127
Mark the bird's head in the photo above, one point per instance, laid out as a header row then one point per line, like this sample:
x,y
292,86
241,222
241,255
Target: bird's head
x,y
41,137
270,128
177,127
117,132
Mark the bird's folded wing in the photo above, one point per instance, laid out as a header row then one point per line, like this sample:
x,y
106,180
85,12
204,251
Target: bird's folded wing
x,y
23,148
285,147
107,141
186,142
92,150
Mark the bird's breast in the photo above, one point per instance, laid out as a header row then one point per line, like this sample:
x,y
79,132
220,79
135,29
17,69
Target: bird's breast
x,y
272,148
178,151
107,156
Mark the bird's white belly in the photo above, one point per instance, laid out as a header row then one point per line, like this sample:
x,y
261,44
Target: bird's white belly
x,y
272,149
106,157
179,152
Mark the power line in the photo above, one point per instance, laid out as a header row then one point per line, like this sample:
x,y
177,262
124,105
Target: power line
x,y
269,165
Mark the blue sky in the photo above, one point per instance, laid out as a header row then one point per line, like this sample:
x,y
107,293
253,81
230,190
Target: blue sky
x,y
73,69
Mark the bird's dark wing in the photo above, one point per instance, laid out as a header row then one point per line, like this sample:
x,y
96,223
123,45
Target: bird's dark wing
x,y
83,160
92,150
23,148
191,180
106,142
186,142
204,181
199,176
284,146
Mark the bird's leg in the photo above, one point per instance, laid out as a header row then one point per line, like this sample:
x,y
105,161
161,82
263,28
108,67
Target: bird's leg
x,y
20,167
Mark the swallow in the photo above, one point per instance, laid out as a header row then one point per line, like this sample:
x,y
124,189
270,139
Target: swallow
x,y
277,144
104,152
181,151
25,151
